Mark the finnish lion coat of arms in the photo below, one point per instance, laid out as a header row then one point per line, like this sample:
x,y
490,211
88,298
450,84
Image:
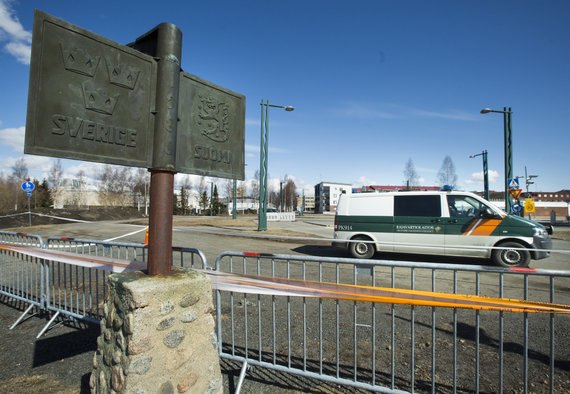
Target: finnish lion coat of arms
x,y
212,118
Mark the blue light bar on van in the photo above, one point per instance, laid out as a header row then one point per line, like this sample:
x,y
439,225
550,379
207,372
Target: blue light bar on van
x,y
447,188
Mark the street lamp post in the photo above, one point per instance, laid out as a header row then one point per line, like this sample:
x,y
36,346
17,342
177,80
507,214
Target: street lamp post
x,y
281,195
234,202
262,215
508,127
211,198
485,172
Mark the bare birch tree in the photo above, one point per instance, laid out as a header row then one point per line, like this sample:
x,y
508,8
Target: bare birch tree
x,y
55,180
411,177
446,174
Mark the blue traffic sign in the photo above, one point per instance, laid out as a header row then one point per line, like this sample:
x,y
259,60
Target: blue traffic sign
x,y
516,208
29,194
28,186
513,183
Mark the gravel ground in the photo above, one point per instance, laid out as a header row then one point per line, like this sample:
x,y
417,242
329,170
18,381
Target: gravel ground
x,y
60,361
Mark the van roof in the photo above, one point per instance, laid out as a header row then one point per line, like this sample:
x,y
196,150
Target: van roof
x,y
410,192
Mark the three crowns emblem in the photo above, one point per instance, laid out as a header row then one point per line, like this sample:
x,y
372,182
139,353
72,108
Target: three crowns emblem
x,y
97,98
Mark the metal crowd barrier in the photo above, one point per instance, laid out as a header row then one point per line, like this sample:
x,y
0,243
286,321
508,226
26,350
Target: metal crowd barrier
x,y
8,237
62,289
183,257
21,276
396,348
79,292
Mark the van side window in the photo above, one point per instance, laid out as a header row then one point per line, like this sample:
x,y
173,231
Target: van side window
x,y
464,206
429,206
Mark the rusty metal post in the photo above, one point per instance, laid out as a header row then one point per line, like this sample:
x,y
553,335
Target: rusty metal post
x,y
160,222
168,54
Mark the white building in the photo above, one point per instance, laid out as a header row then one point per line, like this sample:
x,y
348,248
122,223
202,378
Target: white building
x,y
327,194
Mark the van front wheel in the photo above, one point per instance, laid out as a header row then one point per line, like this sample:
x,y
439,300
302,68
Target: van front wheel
x,y
516,257
361,250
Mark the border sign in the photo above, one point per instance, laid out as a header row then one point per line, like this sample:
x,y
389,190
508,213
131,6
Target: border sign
x,y
89,98
211,129
93,99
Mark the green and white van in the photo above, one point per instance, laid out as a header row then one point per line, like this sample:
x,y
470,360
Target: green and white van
x,y
446,223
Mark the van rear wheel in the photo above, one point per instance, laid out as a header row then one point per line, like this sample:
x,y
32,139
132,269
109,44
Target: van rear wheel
x,y
362,250
511,257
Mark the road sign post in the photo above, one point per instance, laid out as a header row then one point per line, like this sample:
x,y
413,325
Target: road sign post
x,y
28,187
514,191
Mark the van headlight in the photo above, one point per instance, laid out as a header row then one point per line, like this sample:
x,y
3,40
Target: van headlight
x,y
540,232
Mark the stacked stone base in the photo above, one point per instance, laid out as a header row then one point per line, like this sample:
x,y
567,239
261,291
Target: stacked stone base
x,y
158,335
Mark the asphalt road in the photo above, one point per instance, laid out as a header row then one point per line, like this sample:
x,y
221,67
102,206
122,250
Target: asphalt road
x,y
60,361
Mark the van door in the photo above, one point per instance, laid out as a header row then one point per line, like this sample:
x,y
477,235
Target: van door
x,y
418,224
467,232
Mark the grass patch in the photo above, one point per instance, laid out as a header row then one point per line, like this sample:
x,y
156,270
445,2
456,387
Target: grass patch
x,y
36,384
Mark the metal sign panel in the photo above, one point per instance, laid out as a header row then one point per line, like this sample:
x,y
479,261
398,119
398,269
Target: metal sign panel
x,y
515,193
211,129
89,98
529,206
513,183
28,186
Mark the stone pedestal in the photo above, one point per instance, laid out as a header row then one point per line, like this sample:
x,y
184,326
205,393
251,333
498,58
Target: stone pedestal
x,y
157,336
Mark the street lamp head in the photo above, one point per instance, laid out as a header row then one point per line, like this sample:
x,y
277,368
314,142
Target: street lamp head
x,y
289,108
486,110
478,154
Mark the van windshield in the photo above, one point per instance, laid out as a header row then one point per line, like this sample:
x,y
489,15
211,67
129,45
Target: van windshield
x,y
464,206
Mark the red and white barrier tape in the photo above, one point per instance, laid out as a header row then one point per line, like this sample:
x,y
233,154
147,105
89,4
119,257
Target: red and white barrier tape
x,y
264,285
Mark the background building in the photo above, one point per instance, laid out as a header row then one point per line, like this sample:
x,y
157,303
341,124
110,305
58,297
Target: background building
x,y
559,196
309,203
327,194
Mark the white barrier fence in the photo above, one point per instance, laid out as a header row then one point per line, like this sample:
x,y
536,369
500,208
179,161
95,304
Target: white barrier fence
x,y
281,216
